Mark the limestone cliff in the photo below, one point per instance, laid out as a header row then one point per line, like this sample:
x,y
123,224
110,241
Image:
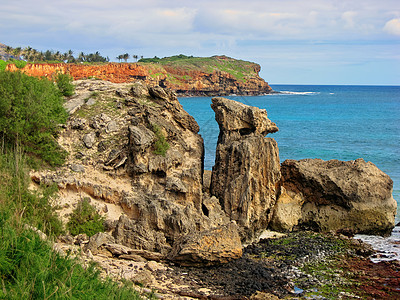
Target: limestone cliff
x,y
137,155
218,75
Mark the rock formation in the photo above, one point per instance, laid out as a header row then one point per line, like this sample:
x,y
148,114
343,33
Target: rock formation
x,y
247,167
216,246
211,77
332,195
138,156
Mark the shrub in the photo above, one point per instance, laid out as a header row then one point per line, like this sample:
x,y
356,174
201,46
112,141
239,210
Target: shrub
x,y
160,145
64,84
30,111
85,219
3,65
33,207
29,269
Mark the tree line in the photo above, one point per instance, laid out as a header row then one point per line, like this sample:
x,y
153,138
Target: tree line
x,y
32,55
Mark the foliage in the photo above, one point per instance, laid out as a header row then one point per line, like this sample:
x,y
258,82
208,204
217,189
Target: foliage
x,y
3,65
18,63
64,84
85,219
30,111
33,207
29,269
160,145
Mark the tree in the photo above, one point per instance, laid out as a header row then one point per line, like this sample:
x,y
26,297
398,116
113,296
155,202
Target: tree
x,y
125,57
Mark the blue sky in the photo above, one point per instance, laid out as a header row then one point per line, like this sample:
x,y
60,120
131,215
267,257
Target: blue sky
x,y
295,42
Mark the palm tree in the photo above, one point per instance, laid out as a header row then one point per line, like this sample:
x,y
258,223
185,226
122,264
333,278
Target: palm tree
x,y
17,52
135,57
27,53
8,50
125,57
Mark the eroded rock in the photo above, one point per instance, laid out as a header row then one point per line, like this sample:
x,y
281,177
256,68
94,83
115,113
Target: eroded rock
x,y
333,195
210,247
247,167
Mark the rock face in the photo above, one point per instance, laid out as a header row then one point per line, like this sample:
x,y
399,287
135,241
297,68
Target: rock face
x,y
216,246
247,167
333,195
189,78
137,155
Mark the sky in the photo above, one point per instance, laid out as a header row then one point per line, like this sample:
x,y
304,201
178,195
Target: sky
x,y
295,42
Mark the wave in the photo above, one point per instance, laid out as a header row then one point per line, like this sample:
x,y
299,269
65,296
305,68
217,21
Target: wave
x,y
297,93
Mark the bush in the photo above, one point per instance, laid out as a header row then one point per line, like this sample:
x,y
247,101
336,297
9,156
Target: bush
x,y
33,207
29,269
30,111
160,145
64,84
85,219
3,65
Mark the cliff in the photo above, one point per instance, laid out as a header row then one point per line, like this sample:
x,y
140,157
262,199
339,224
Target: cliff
x,y
217,75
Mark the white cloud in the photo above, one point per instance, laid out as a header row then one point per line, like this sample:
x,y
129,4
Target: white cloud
x,y
393,27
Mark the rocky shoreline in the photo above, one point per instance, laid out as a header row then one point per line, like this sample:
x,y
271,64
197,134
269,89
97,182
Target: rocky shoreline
x,y
300,265
137,157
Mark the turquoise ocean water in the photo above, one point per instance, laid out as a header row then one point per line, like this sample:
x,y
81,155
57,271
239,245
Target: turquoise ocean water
x,y
327,122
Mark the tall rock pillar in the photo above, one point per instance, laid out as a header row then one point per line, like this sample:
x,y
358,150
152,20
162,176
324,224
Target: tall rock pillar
x,y
247,166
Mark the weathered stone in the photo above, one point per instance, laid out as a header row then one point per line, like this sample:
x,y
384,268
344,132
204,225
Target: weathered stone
x,y
111,127
132,257
144,277
89,139
247,167
215,246
339,194
77,168
235,116
98,240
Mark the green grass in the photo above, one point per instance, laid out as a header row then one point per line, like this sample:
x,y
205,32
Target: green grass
x,y
239,69
29,269
30,111
85,219
161,145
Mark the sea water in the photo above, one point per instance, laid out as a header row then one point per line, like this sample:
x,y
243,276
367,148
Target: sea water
x,y
327,122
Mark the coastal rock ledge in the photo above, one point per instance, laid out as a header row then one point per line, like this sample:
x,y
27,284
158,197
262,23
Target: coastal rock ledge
x,y
334,195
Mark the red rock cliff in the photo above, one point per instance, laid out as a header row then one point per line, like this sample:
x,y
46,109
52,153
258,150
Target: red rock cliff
x,y
182,80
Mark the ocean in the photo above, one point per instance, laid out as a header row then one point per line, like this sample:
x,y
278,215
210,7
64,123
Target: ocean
x,y
322,121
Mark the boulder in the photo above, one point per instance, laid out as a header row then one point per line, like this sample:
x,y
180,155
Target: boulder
x,y
247,166
210,247
336,195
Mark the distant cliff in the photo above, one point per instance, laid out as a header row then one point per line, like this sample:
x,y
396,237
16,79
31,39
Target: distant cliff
x,y
203,76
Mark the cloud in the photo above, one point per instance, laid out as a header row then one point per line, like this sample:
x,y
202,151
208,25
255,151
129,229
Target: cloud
x,y
393,27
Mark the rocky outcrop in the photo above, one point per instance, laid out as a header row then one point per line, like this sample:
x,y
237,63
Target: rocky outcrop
x,y
247,167
210,77
137,155
332,195
216,246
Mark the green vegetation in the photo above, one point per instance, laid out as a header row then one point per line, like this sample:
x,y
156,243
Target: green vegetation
x,y
85,219
29,269
64,84
160,145
30,111
239,69
18,63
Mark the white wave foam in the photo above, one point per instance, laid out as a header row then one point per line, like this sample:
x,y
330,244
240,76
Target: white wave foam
x,y
298,93
388,248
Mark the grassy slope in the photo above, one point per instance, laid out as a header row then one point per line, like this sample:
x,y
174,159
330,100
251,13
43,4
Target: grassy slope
x,y
29,269
239,69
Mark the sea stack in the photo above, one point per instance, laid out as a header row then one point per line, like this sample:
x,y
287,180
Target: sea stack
x,y
247,167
